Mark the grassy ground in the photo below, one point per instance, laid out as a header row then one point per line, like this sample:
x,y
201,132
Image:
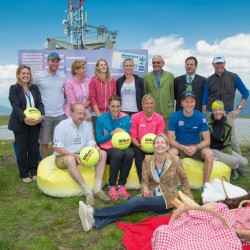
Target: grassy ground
x,y
4,120
33,220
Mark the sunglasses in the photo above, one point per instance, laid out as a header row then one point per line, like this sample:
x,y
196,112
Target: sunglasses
x,y
158,62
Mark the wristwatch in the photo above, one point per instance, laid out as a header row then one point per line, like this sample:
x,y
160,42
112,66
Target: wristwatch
x,y
239,107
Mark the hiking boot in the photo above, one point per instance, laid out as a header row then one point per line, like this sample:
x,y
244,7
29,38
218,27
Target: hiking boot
x,y
102,196
113,193
90,200
234,175
122,191
86,216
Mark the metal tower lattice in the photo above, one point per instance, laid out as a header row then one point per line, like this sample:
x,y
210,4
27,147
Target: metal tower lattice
x,y
74,26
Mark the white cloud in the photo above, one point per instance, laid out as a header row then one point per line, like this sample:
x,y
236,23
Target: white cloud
x,y
236,50
7,78
8,72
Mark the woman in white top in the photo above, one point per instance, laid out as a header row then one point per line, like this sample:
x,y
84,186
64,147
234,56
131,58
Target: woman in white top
x,y
130,88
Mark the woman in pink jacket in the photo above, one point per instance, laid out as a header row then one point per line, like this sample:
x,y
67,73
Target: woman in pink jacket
x,y
102,87
144,122
77,88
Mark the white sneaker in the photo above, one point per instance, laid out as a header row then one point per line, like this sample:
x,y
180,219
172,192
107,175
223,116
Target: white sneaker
x,y
90,210
86,216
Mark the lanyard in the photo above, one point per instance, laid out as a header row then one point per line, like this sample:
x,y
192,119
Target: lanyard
x,y
159,173
28,97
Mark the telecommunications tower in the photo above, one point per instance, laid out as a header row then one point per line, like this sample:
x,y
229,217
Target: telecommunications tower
x,y
80,34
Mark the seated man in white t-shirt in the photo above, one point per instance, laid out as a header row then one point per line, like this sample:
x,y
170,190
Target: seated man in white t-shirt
x,y
71,135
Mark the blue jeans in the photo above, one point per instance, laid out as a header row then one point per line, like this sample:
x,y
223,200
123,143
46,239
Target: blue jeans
x,y
107,215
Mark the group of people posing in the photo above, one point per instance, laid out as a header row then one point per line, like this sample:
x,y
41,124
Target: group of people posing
x,y
79,112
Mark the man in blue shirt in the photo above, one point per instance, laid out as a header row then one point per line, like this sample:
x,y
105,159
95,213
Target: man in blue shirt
x,y
184,130
222,86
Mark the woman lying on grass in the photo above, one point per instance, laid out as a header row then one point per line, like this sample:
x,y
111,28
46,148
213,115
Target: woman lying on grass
x,y
159,187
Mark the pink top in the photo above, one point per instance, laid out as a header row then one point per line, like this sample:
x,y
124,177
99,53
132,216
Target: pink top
x,y
142,125
76,92
100,92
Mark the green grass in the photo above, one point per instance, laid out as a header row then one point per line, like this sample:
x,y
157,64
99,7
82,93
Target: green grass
x,y
32,220
4,119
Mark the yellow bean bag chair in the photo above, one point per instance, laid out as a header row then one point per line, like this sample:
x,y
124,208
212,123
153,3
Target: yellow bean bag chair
x,y
132,180
194,171
58,182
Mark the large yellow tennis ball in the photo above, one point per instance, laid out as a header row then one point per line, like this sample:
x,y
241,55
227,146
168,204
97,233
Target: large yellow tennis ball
x,y
147,142
32,113
121,140
194,171
89,156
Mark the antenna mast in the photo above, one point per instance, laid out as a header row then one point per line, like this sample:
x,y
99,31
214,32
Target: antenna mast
x,y
80,34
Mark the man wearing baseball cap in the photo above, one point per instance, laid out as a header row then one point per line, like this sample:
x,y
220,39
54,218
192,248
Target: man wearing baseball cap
x,y
51,85
222,86
185,129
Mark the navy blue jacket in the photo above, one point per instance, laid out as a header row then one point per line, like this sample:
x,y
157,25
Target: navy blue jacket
x,y
18,102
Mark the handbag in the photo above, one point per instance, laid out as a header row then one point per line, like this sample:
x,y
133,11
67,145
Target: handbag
x,y
202,228
232,202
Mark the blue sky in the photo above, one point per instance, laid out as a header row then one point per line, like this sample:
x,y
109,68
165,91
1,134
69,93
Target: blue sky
x,y
173,28
26,24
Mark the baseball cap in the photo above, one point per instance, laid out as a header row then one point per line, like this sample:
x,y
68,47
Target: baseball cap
x,y
53,55
217,104
186,94
218,59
